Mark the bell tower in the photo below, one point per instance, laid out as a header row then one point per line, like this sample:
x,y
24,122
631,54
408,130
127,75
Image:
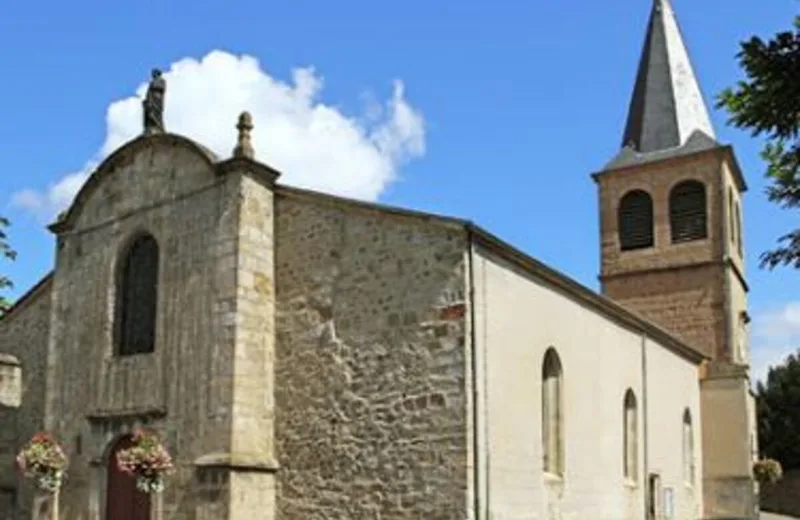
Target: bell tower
x,y
670,204
672,249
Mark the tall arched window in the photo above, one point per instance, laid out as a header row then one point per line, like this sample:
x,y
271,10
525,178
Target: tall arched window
x,y
137,297
731,219
739,239
552,413
743,343
635,220
688,448
630,438
687,212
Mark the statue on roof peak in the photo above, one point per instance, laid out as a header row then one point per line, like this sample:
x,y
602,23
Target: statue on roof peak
x,y
153,104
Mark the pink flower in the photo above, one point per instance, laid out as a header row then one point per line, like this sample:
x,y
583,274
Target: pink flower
x,y
44,460
147,456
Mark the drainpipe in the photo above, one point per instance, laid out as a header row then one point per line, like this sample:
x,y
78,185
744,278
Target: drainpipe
x,y
475,394
645,431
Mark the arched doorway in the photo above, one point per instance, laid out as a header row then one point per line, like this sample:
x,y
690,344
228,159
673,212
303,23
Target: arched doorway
x,y
123,500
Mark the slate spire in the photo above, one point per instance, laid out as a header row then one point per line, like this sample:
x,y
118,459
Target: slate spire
x,y
667,106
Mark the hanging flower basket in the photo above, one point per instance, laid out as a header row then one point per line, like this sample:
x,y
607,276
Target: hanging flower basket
x,y
767,471
43,460
147,461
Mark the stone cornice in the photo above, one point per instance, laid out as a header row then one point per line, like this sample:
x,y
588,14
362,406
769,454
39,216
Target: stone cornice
x,y
253,167
9,360
105,415
722,152
29,296
243,462
120,157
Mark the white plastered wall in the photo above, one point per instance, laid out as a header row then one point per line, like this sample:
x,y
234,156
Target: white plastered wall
x,y
517,318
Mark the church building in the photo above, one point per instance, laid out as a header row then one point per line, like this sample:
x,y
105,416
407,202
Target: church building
x,y
308,357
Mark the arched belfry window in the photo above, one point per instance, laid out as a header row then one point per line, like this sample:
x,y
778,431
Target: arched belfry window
x,y
137,297
552,413
635,220
630,437
687,212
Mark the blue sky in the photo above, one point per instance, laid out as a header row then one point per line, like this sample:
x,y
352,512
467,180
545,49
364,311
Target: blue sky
x,y
520,102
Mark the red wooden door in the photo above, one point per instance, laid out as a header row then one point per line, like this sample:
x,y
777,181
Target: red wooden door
x,y
123,500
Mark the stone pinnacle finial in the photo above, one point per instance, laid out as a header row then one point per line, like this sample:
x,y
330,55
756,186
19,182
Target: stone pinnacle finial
x,y
244,146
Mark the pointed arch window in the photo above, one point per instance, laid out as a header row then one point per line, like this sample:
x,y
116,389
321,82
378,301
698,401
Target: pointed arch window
x,y
687,212
137,297
635,220
630,437
688,448
552,413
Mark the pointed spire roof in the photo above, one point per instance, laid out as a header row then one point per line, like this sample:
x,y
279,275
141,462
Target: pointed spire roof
x,y
667,106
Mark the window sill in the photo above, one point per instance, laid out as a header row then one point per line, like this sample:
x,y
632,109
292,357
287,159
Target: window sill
x,y
131,359
117,355
631,484
553,478
650,248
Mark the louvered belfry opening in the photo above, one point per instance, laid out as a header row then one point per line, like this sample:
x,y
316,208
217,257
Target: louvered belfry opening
x,y
687,212
137,298
636,221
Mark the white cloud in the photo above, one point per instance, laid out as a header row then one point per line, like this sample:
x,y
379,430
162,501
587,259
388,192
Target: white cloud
x,y
776,334
315,145
57,196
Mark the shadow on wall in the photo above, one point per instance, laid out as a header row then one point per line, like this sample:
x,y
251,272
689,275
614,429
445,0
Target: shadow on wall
x,y
782,497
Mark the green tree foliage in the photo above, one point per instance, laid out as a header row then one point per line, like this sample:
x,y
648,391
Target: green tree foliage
x,y
5,253
778,405
767,103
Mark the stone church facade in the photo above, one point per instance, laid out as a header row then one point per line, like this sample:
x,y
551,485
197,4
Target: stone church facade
x,y
309,357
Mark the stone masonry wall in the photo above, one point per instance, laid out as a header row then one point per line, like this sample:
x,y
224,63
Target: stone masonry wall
x,y
371,408
678,286
657,179
23,334
252,422
687,302
183,390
